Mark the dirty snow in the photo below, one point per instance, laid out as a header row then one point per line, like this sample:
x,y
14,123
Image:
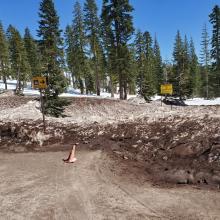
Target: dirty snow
x,y
86,111
201,101
71,92
29,111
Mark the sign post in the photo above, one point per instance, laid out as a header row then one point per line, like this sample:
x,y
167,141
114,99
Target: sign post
x,y
166,89
41,84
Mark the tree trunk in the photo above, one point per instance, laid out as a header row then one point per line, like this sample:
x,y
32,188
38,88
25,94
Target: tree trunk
x,y
98,92
207,84
97,83
18,85
74,81
118,57
112,88
125,91
81,86
4,76
5,82
121,92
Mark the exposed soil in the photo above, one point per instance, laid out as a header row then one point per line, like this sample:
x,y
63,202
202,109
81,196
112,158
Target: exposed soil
x,y
179,152
136,161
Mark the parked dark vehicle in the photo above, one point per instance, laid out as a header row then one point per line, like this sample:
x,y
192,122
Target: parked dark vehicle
x,y
174,101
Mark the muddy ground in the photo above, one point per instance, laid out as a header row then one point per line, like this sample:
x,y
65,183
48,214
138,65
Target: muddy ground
x,y
135,161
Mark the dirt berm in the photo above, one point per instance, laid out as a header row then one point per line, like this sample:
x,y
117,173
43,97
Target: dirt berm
x,y
180,151
135,161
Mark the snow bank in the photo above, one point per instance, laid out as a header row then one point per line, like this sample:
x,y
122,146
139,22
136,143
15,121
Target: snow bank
x,y
71,92
29,111
200,102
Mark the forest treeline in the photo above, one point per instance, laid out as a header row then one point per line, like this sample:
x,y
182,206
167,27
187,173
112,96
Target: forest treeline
x,y
106,53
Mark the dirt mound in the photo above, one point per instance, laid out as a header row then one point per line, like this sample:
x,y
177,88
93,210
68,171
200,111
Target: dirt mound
x,y
181,151
179,146
178,151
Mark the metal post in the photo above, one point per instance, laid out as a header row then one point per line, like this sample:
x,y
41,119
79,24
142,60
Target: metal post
x,y
171,102
42,109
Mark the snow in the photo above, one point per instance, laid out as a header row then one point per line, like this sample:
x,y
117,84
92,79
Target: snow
x,y
106,111
156,98
29,111
11,84
31,92
71,92
201,101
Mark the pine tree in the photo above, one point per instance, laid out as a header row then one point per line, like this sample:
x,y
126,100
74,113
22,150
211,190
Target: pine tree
x,y
4,57
69,51
149,82
188,80
93,30
52,61
76,56
140,59
215,21
205,61
68,35
18,58
146,74
116,15
51,44
158,65
126,69
215,52
177,67
194,77
132,70
33,54
110,54
181,76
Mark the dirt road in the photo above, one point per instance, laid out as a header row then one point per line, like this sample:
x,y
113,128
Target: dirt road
x,y
39,186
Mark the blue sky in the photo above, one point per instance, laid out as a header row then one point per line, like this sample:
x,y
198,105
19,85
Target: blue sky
x,y
160,17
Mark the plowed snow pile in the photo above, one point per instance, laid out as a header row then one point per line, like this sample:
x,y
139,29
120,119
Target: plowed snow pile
x,y
179,146
90,110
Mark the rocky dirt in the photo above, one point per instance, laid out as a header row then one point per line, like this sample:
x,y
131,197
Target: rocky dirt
x,y
149,162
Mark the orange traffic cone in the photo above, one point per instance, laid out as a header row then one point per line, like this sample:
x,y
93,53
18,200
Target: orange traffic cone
x,y
71,158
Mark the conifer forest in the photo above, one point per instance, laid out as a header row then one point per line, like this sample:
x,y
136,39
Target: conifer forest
x,y
105,52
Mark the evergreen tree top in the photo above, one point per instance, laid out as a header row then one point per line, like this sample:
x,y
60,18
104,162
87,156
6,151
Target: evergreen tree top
x,y
117,13
205,47
91,19
178,47
49,21
27,32
3,45
1,26
78,25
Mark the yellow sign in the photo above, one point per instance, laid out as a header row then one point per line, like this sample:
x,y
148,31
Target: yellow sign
x,y
166,89
39,82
